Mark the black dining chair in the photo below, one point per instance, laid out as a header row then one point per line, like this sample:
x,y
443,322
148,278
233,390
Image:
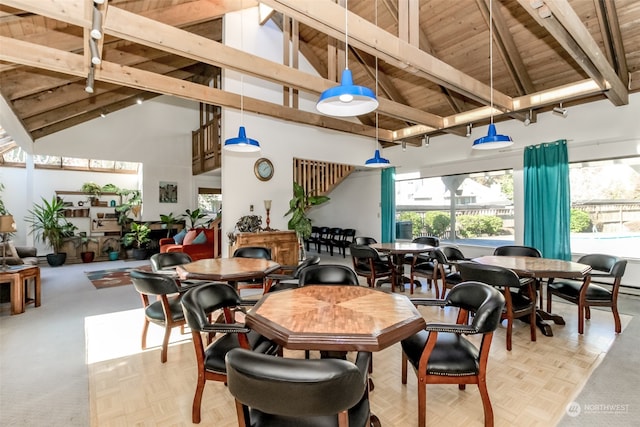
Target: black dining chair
x,y
520,296
327,274
289,279
368,263
440,354
606,270
277,391
198,304
164,310
258,252
519,250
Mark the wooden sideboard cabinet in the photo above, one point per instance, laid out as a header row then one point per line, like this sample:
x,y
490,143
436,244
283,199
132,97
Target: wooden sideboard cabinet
x,y
283,245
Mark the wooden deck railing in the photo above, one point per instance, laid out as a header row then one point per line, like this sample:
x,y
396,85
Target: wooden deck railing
x,y
205,147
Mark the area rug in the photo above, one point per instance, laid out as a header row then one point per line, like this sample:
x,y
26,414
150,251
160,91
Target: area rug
x,y
113,277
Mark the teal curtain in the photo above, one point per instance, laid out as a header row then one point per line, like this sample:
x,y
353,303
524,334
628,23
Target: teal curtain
x,y
547,199
388,199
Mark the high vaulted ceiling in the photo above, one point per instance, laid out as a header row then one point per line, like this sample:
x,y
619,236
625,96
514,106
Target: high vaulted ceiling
x,y
433,58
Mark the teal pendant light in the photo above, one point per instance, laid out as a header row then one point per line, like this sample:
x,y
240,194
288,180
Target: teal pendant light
x,y
493,140
347,99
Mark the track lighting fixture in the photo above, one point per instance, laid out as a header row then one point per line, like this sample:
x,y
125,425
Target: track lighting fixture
x,y
90,81
139,101
103,113
560,111
96,24
527,119
404,145
95,56
425,141
469,127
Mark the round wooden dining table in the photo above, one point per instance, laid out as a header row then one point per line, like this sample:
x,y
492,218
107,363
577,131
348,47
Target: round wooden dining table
x,y
227,269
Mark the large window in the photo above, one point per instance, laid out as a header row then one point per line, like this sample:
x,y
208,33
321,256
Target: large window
x,y
478,206
210,201
605,207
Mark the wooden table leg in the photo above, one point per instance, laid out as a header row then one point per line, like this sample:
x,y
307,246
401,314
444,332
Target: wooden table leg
x,y
37,289
17,294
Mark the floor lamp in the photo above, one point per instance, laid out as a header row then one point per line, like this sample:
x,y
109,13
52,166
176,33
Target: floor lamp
x,y
7,226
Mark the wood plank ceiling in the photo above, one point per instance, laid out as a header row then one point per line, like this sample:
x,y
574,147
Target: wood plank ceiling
x,y
433,58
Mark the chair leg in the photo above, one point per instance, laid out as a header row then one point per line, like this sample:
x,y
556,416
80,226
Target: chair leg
x,y
145,328
404,368
532,323
165,343
486,403
548,301
422,404
587,312
616,318
509,331
581,315
197,400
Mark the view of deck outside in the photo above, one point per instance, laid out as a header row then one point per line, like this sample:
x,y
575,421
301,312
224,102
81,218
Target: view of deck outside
x,y
605,207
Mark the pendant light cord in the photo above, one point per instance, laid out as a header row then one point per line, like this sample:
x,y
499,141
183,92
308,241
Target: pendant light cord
x,y
242,75
491,53
376,22
346,35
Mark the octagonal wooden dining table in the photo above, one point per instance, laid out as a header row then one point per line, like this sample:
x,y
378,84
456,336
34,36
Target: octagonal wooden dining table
x,y
335,318
227,269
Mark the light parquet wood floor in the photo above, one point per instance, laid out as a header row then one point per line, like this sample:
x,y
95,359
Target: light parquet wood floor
x,y
529,386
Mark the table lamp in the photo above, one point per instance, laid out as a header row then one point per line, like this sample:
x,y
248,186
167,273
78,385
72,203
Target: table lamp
x,y
7,225
267,206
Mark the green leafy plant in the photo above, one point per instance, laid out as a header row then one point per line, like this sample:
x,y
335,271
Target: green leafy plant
x,y
110,245
580,221
298,206
193,218
138,237
168,220
83,241
92,188
48,223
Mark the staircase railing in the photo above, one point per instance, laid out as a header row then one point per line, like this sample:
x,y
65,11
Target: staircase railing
x,y
319,178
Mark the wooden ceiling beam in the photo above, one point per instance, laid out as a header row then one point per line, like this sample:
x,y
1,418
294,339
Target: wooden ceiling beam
x,y
328,18
565,26
614,47
70,63
508,50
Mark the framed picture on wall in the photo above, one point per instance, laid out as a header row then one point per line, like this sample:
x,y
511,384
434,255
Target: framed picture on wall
x,y
168,192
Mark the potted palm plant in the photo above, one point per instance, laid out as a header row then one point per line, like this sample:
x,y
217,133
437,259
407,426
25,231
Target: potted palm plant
x,y
192,218
49,225
298,206
168,221
138,238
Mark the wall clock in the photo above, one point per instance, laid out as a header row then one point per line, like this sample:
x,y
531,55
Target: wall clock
x,y
263,169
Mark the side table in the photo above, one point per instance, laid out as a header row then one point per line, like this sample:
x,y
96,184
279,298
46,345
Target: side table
x,y
18,277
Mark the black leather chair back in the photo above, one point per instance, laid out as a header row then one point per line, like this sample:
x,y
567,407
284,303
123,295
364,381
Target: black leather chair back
x,y
485,301
313,260
611,265
153,284
427,240
363,252
363,240
452,253
489,274
297,388
164,260
515,250
327,274
253,252
199,302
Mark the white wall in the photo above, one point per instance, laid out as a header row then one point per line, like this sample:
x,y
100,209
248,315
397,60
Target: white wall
x,y
281,141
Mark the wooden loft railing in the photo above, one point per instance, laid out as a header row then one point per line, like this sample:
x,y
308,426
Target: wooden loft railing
x,y
205,147
319,178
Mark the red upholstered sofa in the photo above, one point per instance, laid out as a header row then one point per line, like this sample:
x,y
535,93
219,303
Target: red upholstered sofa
x,y
197,251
